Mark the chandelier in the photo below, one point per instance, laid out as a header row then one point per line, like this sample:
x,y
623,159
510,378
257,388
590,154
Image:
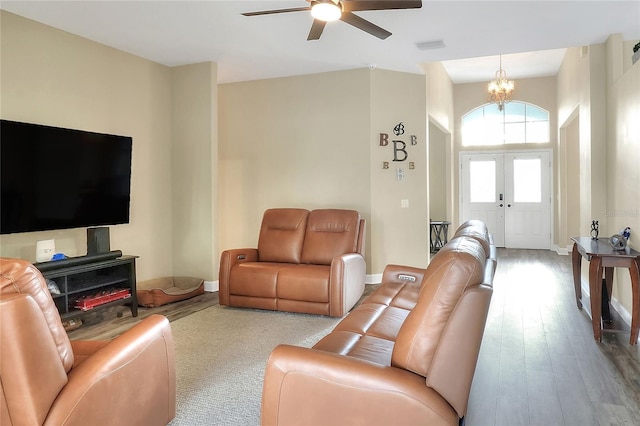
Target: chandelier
x,y
501,89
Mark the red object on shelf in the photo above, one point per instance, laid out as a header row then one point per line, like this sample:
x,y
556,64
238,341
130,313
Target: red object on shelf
x,y
90,302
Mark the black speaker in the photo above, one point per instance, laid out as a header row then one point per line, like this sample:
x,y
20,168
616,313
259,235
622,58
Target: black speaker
x,y
98,240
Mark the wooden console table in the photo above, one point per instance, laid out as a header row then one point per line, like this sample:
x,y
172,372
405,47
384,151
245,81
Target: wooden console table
x,y
601,256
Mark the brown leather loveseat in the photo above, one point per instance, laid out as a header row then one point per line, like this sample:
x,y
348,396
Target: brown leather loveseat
x,y
306,261
405,356
46,379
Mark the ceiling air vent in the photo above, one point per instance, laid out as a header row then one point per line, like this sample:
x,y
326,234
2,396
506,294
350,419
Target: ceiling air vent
x,y
430,45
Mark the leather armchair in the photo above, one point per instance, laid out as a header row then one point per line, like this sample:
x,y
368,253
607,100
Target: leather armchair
x,y
46,379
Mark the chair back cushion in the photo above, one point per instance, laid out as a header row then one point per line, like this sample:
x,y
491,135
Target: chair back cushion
x,y
330,233
478,230
31,373
457,267
20,276
36,353
282,235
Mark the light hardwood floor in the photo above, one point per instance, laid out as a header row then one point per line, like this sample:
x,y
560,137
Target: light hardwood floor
x,y
538,364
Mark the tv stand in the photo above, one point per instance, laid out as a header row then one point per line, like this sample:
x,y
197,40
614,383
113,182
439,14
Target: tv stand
x,y
89,284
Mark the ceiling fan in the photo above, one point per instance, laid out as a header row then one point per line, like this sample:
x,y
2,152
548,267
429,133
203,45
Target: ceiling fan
x,y
331,10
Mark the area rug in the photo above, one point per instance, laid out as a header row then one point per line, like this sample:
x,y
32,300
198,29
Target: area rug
x,y
221,353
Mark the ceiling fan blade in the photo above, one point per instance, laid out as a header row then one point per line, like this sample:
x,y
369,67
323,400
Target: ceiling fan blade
x,y
271,12
357,5
316,29
364,25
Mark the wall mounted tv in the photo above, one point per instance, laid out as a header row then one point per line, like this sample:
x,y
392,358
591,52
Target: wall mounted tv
x,y
54,178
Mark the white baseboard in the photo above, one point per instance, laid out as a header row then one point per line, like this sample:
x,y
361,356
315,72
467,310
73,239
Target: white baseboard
x,y
373,279
211,286
562,251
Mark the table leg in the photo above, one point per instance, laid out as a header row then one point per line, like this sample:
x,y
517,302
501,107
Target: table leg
x,y
434,238
440,243
607,289
445,234
595,288
576,259
634,271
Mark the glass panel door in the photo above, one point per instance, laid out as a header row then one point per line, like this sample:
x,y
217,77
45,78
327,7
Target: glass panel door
x,y
482,191
528,200
511,193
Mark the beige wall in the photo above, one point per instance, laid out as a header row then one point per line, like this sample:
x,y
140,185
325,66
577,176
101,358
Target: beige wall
x,y
194,157
291,142
399,235
440,113
581,90
312,141
55,78
572,170
437,174
623,153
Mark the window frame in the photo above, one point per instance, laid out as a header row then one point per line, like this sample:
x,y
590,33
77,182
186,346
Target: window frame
x,y
494,132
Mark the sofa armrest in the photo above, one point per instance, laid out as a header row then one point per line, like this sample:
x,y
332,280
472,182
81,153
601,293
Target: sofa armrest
x,y
300,383
135,370
228,259
346,282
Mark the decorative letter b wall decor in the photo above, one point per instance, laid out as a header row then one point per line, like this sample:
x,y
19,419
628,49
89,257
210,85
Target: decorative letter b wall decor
x,y
399,146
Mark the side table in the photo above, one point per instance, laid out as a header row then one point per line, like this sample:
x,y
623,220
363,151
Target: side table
x,y
601,258
439,234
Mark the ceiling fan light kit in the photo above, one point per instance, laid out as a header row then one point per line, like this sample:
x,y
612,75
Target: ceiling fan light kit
x,y
326,10
331,10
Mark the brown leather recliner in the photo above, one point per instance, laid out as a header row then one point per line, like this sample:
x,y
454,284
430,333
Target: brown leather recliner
x,y
306,261
46,379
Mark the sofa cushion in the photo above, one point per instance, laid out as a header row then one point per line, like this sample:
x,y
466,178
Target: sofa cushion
x,y
370,330
281,235
457,267
256,279
330,233
304,282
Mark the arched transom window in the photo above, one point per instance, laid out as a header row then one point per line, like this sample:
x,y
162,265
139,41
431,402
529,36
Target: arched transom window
x,y
519,122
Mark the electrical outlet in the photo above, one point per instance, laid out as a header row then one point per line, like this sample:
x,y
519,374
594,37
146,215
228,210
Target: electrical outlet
x,y
404,204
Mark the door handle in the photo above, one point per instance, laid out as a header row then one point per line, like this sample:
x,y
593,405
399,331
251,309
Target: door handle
x,y
508,205
501,205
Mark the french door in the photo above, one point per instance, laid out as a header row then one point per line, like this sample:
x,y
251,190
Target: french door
x,y
511,193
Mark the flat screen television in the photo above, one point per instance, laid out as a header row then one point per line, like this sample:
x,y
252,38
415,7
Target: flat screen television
x,y
55,178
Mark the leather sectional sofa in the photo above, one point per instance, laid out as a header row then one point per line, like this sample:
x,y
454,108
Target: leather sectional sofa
x,y
405,356
306,261
46,379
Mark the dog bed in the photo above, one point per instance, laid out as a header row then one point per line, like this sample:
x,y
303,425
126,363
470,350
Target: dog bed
x,y
160,291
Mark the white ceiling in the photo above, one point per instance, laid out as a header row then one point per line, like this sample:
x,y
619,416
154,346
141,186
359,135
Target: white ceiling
x,y
531,35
